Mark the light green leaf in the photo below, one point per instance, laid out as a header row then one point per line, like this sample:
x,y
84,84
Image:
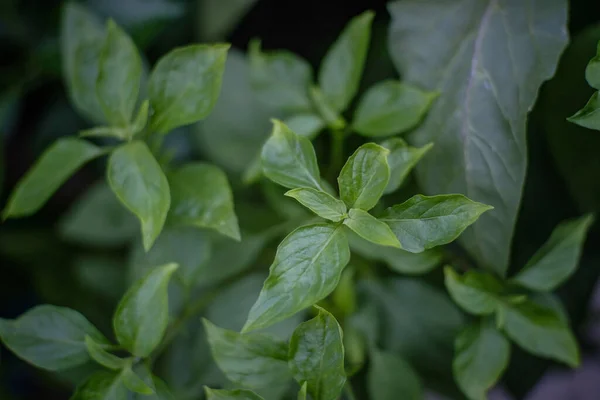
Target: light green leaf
x,y
592,71
541,331
302,392
235,394
140,184
50,337
103,357
308,125
589,116
391,107
141,119
342,67
402,159
316,356
119,75
134,383
280,79
481,356
364,177
251,360
106,131
54,167
321,203
184,85
390,376
557,259
478,123
423,222
142,315
476,292
307,268
201,196
370,228
102,385
289,159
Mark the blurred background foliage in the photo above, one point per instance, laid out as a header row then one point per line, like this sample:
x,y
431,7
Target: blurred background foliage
x,y
82,249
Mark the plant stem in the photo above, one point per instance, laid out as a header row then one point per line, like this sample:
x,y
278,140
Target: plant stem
x,y
337,153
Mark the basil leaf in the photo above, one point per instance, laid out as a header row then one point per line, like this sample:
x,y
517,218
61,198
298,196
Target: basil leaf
x,y
143,313
50,337
481,356
364,177
557,259
235,394
478,123
119,75
134,383
201,196
302,392
402,159
161,392
184,85
280,79
370,228
54,167
140,184
251,360
592,71
308,125
391,107
321,203
289,159
328,114
342,66
588,116
316,356
540,331
102,386
307,268
390,375
476,292
103,357
423,222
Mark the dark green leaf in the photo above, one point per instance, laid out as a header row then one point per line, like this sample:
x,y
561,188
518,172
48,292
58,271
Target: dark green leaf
x,y
316,356
342,67
142,315
390,377
321,203
557,259
391,107
364,177
481,356
50,337
103,357
476,292
592,71
402,159
134,383
370,228
589,116
184,85
487,63
235,394
308,125
140,184
55,166
307,268
102,386
423,222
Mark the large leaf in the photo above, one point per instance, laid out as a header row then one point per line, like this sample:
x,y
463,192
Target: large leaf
x,y
488,60
307,268
102,386
390,376
475,292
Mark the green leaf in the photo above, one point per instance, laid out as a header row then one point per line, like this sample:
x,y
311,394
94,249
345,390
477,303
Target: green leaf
x,y
134,383
103,357
141,119
308,125
402,159
342,67
316,356
162,392
250,360
540,330
106,131
119,75
201,196
235,394
184,85
370,228
557,259
302,392
364,177
588,116
328,114
390,375
307,268
478,123
54,167
476,292
142,315
391,107
481,356
592,71
280,79
140,184
102,385
321,203
50,337
82,37
423,222
289,159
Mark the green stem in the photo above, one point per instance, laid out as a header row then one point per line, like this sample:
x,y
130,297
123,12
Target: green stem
x,y
336,158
